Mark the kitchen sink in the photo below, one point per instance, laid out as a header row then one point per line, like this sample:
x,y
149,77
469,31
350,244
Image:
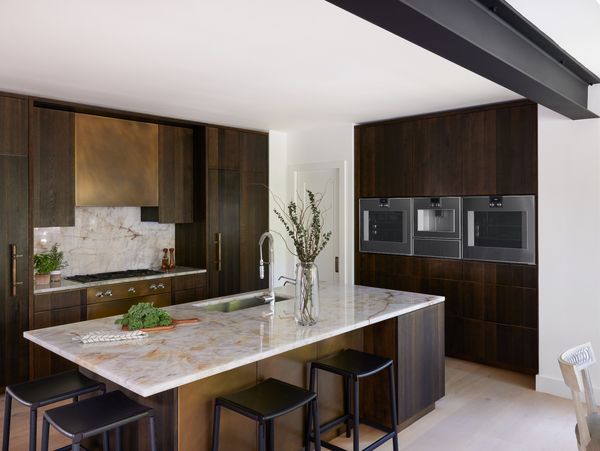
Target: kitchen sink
x,y
240,304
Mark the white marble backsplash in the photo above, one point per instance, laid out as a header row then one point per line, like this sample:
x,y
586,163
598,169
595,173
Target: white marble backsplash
x,y
107,239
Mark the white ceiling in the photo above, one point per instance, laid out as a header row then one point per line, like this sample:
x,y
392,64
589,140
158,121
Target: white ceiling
x,y
266,64
572,24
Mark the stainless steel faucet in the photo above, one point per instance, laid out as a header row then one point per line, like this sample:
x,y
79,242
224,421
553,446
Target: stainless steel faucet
x,y
270,296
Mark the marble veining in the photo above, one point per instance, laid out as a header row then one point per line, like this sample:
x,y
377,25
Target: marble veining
x,y
68,285
107,239
222,341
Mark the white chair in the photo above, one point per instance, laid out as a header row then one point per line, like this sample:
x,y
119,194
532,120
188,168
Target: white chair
x,y
574,365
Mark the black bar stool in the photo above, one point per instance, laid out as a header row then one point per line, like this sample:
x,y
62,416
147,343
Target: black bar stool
x,y
42,392
353,366
265,402
95,416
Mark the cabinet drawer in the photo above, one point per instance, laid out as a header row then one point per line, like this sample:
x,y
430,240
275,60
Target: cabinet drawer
x,y
191,295
58,300
127,290
188,282
512,347
120,306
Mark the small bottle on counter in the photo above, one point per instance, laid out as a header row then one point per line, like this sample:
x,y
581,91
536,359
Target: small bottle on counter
x,y
172,258
165,263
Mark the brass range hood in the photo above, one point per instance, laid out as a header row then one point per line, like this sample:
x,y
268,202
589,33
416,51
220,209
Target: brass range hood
x,y
116,162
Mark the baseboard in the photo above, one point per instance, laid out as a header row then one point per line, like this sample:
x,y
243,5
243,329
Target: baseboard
x,y
552,386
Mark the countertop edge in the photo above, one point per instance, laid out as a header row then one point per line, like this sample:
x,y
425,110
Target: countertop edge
x,y
184,271
178,382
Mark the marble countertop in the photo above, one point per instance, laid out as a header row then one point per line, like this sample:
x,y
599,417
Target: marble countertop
x,y
68,285
222,341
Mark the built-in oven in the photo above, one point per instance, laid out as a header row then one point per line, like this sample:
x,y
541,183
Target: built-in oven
x,y
437,227
499,228
385,225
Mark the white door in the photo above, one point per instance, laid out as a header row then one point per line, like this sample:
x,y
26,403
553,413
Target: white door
x,y
326,181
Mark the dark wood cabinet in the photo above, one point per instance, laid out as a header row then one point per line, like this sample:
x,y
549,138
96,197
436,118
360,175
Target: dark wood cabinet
x,y
189,288
54,309
13,126
417,348
14,266
52,140
237,213
490,307
175,174
176,153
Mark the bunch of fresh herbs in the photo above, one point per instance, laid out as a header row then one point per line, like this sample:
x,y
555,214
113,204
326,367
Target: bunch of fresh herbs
x,y
144,315
46,262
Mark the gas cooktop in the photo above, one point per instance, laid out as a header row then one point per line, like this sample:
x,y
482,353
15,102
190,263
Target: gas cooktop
x,y
85,278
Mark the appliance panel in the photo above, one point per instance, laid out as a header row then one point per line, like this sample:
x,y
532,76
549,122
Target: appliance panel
x,y
437,248
437,217
500,228
385,225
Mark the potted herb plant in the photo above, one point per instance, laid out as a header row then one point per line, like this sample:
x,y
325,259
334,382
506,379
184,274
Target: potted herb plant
x,y
47,263
303,222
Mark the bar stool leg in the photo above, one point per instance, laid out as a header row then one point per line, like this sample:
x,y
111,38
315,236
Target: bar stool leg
x,y
393,407
152,432
356,416
76,446
105,441
309,425
119,438
216,427
32,428
261,436
45,434
317,423
347,404
270,435
6,428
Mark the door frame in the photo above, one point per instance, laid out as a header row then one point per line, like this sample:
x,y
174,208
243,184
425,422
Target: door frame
x,y
343,242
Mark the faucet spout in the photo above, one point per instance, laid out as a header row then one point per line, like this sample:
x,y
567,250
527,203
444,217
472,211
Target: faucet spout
x,y
270,296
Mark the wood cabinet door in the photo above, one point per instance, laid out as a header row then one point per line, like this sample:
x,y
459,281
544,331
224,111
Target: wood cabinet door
x,y
386,160
223,232
53,167
44,362
13,126
479,153
437,157
14,305
175,174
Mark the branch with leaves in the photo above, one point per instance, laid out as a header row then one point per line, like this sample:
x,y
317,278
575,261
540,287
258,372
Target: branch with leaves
x,y
303,222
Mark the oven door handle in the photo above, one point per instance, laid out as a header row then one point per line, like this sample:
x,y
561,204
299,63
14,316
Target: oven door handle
x,y
471,229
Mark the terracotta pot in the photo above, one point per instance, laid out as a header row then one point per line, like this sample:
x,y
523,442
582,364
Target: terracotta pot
x,y
42,279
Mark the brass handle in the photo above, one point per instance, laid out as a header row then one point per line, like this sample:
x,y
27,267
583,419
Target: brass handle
x,y
218,243
13,269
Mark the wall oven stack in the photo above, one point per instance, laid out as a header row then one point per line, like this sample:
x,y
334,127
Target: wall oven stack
x,y
487,228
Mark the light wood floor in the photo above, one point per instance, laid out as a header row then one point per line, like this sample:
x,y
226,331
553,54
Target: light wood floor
x,y
485,409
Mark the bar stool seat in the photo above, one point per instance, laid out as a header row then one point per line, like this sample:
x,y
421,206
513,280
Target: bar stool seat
x,y
263,403
42,392
352,366
96,416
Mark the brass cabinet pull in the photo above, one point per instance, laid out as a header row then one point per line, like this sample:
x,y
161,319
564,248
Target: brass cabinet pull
x,y
218,243
13,269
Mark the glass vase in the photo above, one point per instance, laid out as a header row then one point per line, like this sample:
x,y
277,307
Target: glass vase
x,y
306,304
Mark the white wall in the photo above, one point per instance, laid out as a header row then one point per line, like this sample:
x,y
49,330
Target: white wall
x,y
331,143
569,244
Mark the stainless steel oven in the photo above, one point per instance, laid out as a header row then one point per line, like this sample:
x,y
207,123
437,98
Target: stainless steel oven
x,y
499,228
437,227
385,225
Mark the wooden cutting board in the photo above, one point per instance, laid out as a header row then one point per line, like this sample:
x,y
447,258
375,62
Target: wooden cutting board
x,y
174,323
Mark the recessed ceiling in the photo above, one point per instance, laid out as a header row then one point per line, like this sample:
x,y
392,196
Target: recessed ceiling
x,y
265,64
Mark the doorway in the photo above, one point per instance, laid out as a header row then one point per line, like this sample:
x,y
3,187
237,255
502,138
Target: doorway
x,y
329,179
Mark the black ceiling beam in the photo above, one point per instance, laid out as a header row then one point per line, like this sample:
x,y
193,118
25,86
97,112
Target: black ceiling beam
x,y
492,39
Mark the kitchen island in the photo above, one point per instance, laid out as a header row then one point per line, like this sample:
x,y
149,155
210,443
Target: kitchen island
x,y
180,372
